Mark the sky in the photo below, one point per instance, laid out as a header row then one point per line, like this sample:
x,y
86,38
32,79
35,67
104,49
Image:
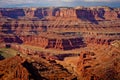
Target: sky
x,y
57,3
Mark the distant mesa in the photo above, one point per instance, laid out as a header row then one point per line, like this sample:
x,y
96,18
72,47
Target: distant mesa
x,y
61,43
63,28
87,13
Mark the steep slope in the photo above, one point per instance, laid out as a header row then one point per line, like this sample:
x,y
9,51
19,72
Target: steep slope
x,y
100,63
18,68
12,69
56,27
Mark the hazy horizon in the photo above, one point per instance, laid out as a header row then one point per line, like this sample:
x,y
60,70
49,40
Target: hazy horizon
x,y
55,3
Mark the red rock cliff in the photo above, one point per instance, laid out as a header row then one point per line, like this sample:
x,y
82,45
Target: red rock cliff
x,y
82,13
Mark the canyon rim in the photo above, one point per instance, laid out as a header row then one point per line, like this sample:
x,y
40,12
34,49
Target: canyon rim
x,y
60,43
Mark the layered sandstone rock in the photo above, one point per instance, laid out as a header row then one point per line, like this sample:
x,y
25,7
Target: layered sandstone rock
x,y
0,14
12,13
98,41
92,13
29,12
66,12
55,42
90,30
13,69
110,15
34,68
99,63
56,27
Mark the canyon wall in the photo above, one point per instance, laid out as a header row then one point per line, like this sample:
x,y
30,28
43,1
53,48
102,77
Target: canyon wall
x,y
82,13
99,63
56,43
59,28
90,31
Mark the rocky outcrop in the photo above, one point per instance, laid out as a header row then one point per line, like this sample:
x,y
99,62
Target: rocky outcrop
x,y
111,15
12,69
51,70
1,40
59,28
35,68
19,27
99,63
66,12
98,41
56,43
90,31
91,14
29,12
0,14
12,13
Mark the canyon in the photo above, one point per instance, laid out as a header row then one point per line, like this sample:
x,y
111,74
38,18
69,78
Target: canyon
x,y
83,43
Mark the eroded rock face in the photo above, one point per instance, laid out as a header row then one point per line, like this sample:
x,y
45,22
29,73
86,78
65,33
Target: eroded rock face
x,y
0,14
66,12
99,41
90,30
56,43
13,69
82,13
59,28
20,68
99,63
111,15
38,35
12,13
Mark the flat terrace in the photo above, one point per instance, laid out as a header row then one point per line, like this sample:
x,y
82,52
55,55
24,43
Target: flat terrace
x,y
68,35
59,36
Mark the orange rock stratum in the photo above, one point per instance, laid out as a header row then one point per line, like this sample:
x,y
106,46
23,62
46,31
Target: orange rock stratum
x,y
60,43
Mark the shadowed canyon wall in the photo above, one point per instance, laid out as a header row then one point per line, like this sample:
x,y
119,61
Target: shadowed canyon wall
x,y
91,13
91,36
59,28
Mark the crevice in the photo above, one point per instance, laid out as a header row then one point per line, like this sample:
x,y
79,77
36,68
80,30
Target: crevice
x,y
33,71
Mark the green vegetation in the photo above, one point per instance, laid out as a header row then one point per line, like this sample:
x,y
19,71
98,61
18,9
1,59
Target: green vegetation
x,y
7,52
